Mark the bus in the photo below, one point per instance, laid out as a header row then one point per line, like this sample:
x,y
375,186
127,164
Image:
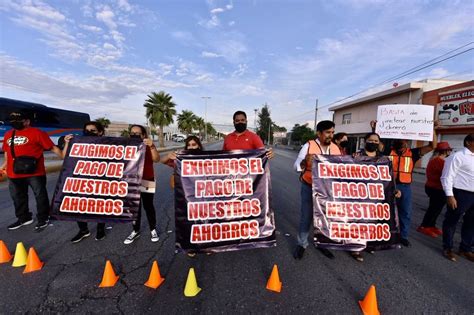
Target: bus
x,y
55,122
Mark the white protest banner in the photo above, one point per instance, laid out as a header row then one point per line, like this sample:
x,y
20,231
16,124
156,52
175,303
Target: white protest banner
x,y
405,121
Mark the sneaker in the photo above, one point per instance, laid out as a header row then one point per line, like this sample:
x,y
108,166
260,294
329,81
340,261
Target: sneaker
x,y
154,236
449,254
132,237
299,252
18,224
468,255
427,231
357,256
41,226
99,235
437,231
80,236
405,242
191,254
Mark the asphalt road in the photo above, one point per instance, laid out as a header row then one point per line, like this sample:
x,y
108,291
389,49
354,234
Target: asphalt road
x,y
408,280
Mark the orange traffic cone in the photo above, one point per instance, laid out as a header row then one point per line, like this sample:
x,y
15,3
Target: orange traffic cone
x,y
274,283
33,263
109,278
369,304
155,279
5,255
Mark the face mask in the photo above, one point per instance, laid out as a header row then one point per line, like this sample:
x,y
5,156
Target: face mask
x,y
371,147
240,127
194,150
344,144
135,136
18,125
90,134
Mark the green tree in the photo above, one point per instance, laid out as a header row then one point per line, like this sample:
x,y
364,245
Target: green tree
x,y
103,121
302,133
160,110
211,131
187,121
201,126
264,124
125,133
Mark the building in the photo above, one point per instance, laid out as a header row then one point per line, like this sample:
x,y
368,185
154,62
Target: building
x,y
354,117
454,110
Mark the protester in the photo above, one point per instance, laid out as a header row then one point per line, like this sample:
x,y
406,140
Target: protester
x,y
303,164
371,149
340,139
147,189
434,190
27,148
404,160
458,184
191,143
91,129
242,138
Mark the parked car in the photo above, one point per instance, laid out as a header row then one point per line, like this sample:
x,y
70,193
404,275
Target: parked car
x,y
179,138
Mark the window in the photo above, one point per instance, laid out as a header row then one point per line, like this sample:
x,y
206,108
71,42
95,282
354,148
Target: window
x,y
346,119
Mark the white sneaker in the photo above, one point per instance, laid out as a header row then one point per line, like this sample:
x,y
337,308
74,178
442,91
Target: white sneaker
x,y
132,237
154,236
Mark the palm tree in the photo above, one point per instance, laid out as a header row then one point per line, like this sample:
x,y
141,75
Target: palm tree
x,y
187,121
211,131
201,126
103,121
160,110
125,133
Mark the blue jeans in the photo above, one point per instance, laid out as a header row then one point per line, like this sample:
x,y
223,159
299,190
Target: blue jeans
x,y
306,218
404,209
19,192
465,201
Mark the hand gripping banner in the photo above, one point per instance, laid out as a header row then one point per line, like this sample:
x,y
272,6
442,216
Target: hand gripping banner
x,y
353,201
100,180
223,201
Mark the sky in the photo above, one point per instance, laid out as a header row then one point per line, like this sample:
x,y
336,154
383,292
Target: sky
x,y
105,57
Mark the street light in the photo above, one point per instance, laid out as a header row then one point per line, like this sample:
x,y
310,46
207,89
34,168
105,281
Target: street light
x,y
205,115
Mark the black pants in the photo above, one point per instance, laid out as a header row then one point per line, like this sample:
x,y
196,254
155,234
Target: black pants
x,y
437,203
84,228
465,210
147,203
19,192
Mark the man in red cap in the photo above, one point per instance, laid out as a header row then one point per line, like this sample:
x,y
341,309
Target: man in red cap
x,y
434,190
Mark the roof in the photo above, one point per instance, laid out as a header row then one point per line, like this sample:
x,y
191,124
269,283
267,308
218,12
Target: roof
x,y
381,95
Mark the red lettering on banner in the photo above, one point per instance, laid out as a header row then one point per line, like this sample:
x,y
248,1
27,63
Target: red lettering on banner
x,y
228,209
223,188
349,190
95,187
91,206
359,231
226,231
131,153
358,210
115,169
256,166
376,191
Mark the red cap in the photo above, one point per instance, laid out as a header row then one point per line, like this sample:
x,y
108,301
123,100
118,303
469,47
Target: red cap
x,y
443,146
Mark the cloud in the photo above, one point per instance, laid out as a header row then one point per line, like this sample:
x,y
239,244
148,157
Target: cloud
x,y
106,16
211,23
91,28
124,5
207,54
231,23
242,69
217,10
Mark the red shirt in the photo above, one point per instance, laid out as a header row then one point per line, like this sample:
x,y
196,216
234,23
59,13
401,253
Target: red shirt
x,y
433,173
148,172
245,141
28,142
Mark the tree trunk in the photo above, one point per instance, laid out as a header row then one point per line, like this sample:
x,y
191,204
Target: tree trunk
x,y
161,137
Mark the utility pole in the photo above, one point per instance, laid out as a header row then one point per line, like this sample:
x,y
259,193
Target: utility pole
x,y
255,120
315,115
205,115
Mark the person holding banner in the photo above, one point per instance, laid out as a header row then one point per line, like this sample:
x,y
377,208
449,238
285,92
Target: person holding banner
x,y
303,164
23,147
404,159
458,184
90,129
242,138
147,189
434,190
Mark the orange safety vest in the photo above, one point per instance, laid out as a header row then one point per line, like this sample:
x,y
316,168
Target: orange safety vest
x,y
402,166
313,149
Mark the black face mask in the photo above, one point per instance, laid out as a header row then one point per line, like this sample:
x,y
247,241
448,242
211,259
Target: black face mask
x,y
18,125
194,150
240,127
371,147
90,134
343,144
135,136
